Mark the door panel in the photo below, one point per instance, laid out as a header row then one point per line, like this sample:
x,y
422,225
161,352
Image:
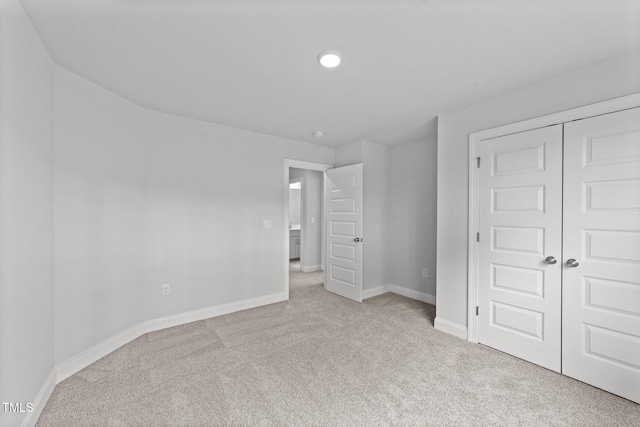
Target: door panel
x,y
520,225
601,296
344,223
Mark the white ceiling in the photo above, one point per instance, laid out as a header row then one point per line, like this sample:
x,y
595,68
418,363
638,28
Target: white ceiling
x,y
252,64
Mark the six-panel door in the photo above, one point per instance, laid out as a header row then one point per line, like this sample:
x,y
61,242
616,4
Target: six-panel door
x,y
601,311
519,293
344,231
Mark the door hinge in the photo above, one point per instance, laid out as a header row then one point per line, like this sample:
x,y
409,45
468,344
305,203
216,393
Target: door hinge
x,y
478,158
478,236
477,310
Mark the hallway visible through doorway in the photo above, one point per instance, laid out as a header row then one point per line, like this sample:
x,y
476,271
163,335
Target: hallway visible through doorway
x,y
301,282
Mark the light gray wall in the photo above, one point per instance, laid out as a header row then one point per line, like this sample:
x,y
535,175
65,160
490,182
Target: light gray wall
x,y
204,221
295,203
375,161
412,218
615,77
349,154
313,206
99,214
26,211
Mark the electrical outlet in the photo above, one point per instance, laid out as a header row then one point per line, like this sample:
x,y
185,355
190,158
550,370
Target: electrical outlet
x,y
266,223
425,272
166,289
313,220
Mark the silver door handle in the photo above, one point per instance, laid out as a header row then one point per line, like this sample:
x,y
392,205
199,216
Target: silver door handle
x,y
572,262
550,260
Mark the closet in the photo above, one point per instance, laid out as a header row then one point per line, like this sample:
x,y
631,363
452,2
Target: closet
x,y
558,248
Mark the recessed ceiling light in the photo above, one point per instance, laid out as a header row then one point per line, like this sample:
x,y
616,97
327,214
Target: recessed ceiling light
x,y
318,134
330,58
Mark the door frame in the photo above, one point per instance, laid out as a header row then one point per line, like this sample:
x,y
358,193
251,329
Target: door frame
x,y
475,138
300,164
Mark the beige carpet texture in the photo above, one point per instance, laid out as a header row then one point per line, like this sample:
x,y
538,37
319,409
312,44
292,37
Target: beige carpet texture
x,y
322,360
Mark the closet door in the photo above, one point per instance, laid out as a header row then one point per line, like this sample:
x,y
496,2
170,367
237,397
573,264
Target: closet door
x,y
601,287
519,268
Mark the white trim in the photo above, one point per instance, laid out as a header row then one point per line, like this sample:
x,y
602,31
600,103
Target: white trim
x,y
399,290
450,328
209,312
77,363
597,109
413,294
374,292
311,268
87,357
41,400
300,164
600,108
472,244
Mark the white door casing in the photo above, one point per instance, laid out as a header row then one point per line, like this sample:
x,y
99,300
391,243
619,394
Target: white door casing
x,y
601,295
344,195
520,225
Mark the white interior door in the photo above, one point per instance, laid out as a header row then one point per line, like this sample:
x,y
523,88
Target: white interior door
x,y
520,225
601,309
344,231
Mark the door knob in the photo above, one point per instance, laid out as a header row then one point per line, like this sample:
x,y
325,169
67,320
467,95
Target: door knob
x,y
550,260
357,239
572,262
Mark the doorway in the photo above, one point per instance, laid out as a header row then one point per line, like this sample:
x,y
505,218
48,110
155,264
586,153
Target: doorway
x,y
309,230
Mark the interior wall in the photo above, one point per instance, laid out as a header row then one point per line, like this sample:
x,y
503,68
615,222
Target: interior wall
x,y
349,154
99,214
312,205
295,203
615,77
26,211
375,161
204,222
412,218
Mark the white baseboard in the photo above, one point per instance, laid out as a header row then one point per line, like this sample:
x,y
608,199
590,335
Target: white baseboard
x,y
310,268
450,328
400,290
413,294
41,400
206,313
86,358
374,292
77,363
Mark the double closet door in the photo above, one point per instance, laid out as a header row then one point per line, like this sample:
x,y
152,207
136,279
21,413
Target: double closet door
x,y
559,249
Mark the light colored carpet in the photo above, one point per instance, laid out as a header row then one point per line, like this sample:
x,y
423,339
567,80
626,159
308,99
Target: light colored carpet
x,y
322,360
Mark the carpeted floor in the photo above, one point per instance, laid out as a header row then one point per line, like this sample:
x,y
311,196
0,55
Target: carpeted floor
x,y
322,360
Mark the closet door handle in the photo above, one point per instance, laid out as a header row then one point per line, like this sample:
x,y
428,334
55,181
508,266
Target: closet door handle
x,y
572,262
550,260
